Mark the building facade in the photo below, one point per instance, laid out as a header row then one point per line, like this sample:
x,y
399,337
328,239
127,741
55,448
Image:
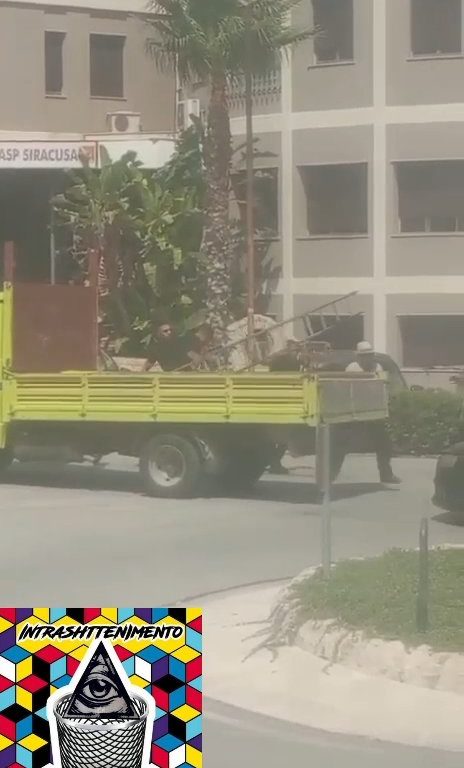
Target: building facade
x,y
360,164
67,67
364,130
76,80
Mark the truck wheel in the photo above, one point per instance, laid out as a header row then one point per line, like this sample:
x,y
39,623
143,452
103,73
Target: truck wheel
x,y
6,459
170,466
242,469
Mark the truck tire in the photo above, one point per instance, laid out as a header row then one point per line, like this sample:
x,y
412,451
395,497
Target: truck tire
x,y
170,466
242,466
6,459
241,473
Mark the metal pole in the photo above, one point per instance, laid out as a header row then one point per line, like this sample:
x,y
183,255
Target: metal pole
x,y
324,485
52,249
423,591
250,202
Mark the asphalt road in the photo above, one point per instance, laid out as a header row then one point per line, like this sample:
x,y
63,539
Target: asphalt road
x,y
84,535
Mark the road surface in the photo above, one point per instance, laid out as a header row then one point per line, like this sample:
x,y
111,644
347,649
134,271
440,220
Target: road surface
x,y
85,535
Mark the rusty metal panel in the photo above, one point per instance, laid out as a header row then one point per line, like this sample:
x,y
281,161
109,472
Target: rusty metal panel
x,y
54,328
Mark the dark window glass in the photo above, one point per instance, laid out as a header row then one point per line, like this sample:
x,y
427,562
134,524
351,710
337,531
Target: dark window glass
x,y
266,199
436,27
54,42
432,340
107,66
333,20
431,195
336,197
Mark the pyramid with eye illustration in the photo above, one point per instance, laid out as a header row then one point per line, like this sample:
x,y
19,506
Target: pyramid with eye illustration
x,y
100,693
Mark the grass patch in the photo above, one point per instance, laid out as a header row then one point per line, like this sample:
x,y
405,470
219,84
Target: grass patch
x,y
379,596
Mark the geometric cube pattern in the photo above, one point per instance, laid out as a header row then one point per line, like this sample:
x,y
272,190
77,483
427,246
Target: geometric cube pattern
x,y
169,669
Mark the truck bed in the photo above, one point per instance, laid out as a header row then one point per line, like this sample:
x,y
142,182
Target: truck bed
x,y
260,398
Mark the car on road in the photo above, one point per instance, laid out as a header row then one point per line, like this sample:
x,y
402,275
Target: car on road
x,y
449,481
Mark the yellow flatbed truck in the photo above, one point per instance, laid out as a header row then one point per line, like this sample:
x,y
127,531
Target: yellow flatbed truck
x,y
182,426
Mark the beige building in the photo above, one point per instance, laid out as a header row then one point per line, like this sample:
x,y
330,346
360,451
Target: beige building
x,y
68,67
361,179
366,128
74,78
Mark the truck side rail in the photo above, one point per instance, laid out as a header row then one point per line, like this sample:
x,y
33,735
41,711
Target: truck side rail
x,y
191,398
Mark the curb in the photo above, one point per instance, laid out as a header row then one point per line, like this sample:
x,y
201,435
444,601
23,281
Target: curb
x,y
338,700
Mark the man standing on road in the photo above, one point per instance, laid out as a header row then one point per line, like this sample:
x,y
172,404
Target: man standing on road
x,y
377,430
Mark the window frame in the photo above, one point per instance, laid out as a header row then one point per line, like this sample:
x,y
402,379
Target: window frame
x,y
338,61
428,230
260,234
424,365
436,54
123,39
305,171
62,36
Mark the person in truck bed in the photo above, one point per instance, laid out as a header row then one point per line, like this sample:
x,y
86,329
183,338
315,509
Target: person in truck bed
x,y
169,350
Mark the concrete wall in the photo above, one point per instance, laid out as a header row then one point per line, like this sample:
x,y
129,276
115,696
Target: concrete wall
x,y
417,304
24,105
330,256
410,80
334,86
422,253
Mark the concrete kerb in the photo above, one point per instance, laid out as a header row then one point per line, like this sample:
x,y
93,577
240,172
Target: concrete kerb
x,y
419,666
350,690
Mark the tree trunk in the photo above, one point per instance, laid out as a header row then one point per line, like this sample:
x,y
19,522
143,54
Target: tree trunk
x,y
216,246
110,254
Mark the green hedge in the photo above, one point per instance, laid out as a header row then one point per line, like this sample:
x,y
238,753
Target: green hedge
x,y
425,422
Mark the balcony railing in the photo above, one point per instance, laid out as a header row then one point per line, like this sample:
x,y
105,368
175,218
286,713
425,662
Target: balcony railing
x,y
266,89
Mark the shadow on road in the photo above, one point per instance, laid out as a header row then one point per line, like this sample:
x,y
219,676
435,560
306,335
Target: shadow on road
x,y
449,518
73,477
101,478
307,493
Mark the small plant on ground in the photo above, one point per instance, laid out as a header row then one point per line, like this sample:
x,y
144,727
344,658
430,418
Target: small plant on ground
x,y
377,596
424,423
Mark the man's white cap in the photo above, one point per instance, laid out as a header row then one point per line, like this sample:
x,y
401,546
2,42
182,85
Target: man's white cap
x,y
364,348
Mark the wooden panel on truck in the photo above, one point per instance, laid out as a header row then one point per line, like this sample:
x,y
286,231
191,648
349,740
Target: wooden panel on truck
x,y
55,328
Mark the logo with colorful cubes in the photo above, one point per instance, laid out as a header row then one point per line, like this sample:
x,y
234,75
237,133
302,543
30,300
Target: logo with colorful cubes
x,y
100,687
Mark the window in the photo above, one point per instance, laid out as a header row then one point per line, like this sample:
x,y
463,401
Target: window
x,y
431,196
436,27
54,42
334,39
432,340
266,200
107,66
343,332
336,198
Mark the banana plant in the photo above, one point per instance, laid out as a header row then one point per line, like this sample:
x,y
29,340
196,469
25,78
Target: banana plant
x,y
148,230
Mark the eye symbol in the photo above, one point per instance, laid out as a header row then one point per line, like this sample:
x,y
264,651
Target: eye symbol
x,y
100,692
99,689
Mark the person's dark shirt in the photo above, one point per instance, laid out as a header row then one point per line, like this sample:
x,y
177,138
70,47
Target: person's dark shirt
x,y
171,353
285,362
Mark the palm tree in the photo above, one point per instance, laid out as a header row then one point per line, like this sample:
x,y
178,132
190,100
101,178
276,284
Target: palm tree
x,y
215,42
